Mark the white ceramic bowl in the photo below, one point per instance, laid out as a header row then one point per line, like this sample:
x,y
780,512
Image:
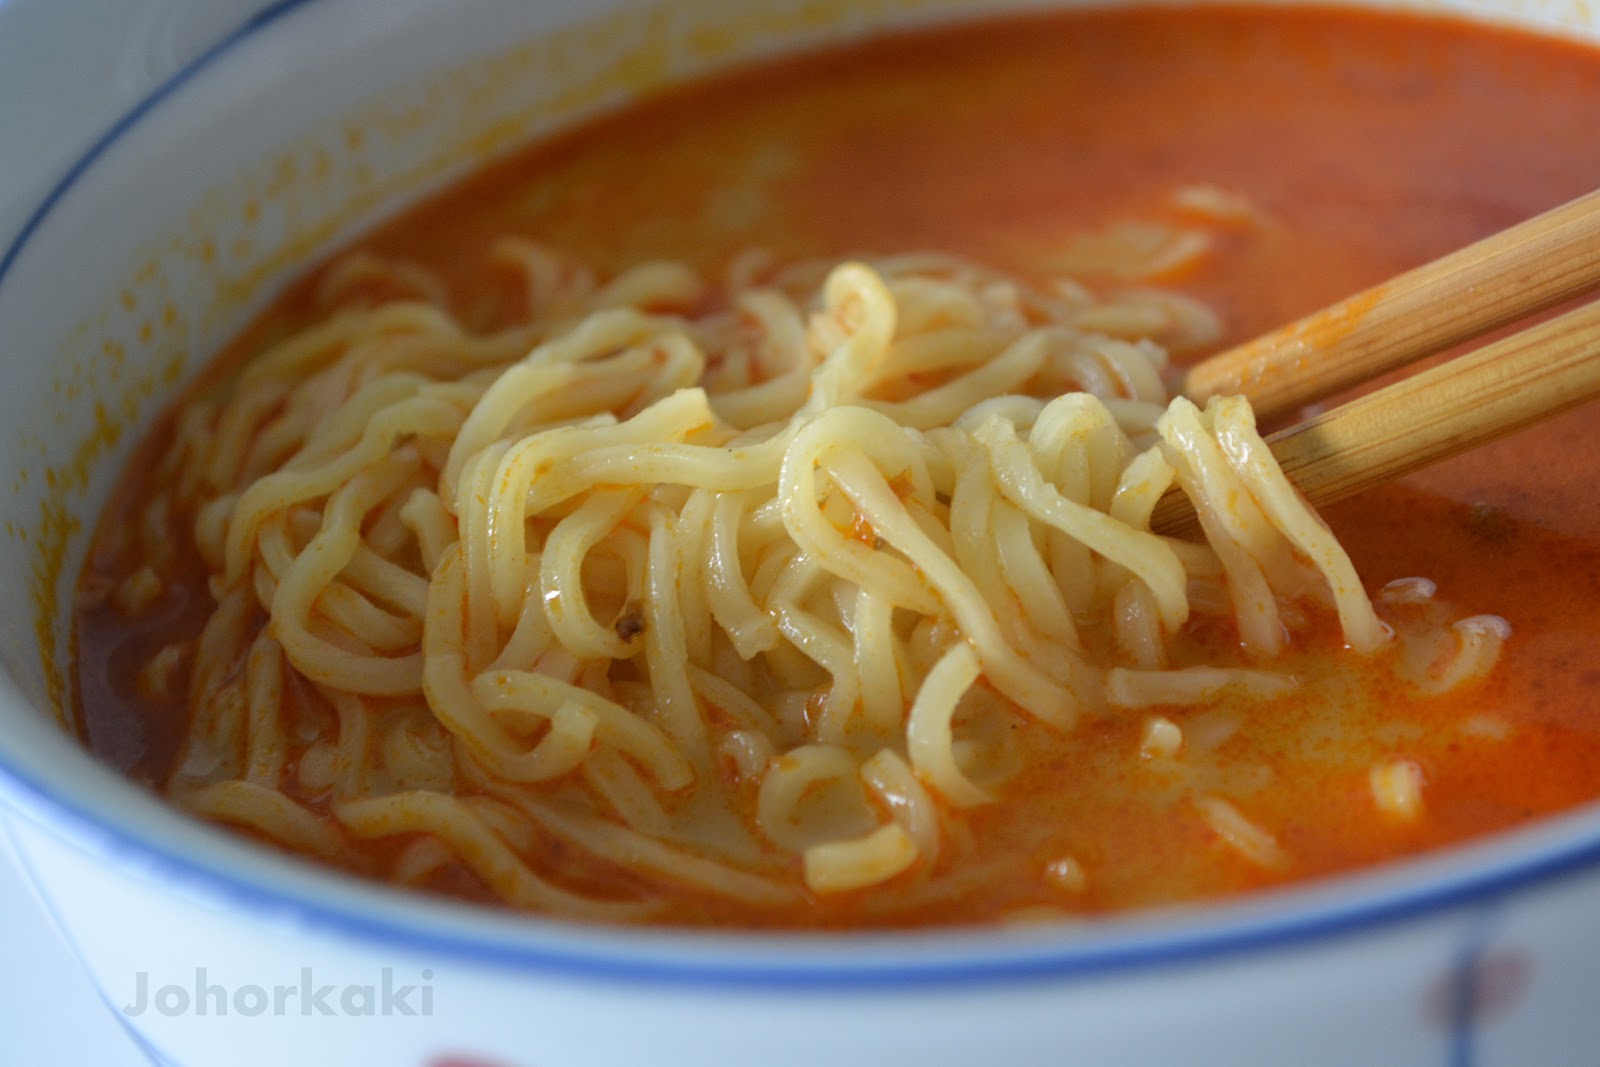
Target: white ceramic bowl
x,y
165,163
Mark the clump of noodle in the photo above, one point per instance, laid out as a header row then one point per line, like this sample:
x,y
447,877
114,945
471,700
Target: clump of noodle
x,y
736,591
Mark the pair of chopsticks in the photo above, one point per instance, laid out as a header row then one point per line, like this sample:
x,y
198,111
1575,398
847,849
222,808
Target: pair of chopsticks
x,y
1453,407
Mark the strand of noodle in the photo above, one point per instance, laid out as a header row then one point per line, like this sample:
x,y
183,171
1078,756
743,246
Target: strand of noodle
x,y
896,785
531,638
385,536
693,466
183,465
264,741
565,745
1234,425
211,531
214,747
1137,418
832,651
1080,449
1019,680
1245,837
420,860
565,602
1206,478
926,304
772,565
650,285
281,439
551,467
313,569
862,315
269,812
868,860
952,347
728,595
836,437
765,402
451,821
312,347
1027,577
1191,685
676,363
545,370
532,398
435,532
882,699
972,503
634,851
1023,411
387,582
286,488
836,600
230,441
630,549
1136,626
1144,481
663,283
928,727
962,880
343,608
812,776
725,663
1478,643
546,277
787,371
416,750
476,528
749,752
276,554
932,527
732,701
328,433
783,332
693,529
618,783
220,644
1141,552
941,405
354,737
1071,563
529,693
1135,368
665,653
448,691
357,268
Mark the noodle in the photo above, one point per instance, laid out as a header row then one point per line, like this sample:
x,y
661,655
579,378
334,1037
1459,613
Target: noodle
x,y
747,590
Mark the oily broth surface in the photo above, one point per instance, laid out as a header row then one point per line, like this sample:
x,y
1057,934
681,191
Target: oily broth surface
x,y
1366,144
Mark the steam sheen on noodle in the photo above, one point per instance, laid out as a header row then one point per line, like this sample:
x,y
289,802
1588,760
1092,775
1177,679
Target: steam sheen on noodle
x,y
740,587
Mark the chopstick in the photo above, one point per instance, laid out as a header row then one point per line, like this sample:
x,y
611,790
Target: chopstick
x,y
1456,406
1500,280
1430,416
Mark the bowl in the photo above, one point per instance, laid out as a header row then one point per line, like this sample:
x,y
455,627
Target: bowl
x,y
150,212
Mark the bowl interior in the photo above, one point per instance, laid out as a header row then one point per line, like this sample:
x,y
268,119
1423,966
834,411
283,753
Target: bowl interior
x,y
250,146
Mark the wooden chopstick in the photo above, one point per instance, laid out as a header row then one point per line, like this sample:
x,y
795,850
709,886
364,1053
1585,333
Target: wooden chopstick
x,y
1429,416
1502,279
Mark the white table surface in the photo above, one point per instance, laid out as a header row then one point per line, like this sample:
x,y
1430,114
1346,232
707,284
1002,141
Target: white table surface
x,y
49,1011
